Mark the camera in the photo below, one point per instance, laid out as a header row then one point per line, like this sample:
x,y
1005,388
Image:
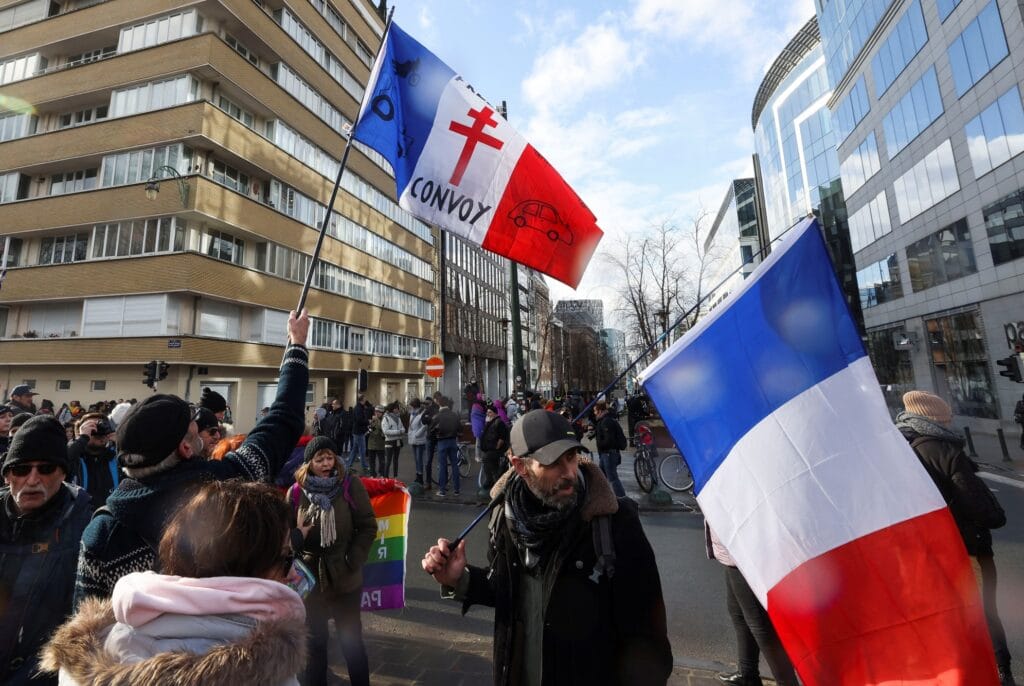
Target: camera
x,y
103,428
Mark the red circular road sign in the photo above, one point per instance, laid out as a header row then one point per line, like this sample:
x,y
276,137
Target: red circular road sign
x,y
435,367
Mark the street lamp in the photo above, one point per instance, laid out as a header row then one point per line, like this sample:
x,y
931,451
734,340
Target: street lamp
x,y
153,183
505,322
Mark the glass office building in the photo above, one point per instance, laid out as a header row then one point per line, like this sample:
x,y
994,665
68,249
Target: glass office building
x,y
928,121
735,235
796,151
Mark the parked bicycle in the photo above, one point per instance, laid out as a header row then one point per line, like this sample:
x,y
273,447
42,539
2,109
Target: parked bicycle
x,y
675,473
465,462
643,459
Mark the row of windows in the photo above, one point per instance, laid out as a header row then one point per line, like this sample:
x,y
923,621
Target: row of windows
x,y
18,68
981,46
140,165
343,30
852,109
154,95
845,33
319,52
330,335
334,279
73,181
160,30
308,96
17,125
861,165
64,249
138,237
913,113
905,40
879,282
869,223
932,179
941,257
1004,224
997,133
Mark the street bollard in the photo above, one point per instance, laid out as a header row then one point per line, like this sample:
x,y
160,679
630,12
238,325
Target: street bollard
x,y
970,442
1002,445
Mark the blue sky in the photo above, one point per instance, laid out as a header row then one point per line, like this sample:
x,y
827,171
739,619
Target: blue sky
x,y
642,105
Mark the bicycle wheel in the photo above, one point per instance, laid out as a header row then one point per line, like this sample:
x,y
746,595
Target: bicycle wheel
x,y
675,473
465,464
644,472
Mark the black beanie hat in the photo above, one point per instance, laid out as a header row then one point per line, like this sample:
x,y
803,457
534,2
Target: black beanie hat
x,y
213,401
152,430
316,444
40,439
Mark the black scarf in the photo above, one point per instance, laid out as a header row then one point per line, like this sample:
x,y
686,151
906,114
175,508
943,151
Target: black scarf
x,y
536,528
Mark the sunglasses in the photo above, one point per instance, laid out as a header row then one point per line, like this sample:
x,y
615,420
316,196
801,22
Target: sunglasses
x,y
25,469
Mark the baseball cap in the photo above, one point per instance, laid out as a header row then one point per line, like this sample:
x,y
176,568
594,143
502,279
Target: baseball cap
x,y
544,436
23,389
6,409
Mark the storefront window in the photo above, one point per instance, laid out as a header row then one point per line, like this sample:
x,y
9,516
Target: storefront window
x,y
893,367
958,352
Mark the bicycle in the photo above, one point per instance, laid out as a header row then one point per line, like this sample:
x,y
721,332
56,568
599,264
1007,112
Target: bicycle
x,y
465,463
675,473
643,458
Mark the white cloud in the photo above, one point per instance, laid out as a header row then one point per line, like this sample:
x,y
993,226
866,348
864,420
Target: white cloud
x,y
425,18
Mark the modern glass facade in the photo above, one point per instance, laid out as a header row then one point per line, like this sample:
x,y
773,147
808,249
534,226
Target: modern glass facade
x,y
735,233
936,219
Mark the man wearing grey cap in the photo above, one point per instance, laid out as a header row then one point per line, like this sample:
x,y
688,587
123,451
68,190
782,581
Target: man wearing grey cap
x,y
570,573
161,454
21,400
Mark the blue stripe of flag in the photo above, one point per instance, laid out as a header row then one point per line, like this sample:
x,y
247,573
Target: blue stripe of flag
x,y
787,330
403,102
383,573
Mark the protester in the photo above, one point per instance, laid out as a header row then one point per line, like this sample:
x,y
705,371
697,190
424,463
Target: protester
x,y
430,409
572,578
493,444
45,407
445,425
218,613
17,423
394,433
418,437
754,630
214,402
499,407
512,409
610,441
334,513
375,442
925,424
362,413
159,447
1018,416
93,460
41,524
209,430
21,399
6,417
477,420
228,446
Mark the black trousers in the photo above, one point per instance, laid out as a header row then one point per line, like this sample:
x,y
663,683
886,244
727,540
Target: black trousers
x,y
754,631
376,460
391,460
348,625
985,574
490,465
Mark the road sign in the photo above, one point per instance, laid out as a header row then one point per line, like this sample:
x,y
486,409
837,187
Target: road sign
x,y
435,367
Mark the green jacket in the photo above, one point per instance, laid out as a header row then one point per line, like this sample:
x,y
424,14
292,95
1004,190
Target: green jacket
x,y
375,439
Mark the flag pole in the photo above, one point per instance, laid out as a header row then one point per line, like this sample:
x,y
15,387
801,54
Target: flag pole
x,y
341,170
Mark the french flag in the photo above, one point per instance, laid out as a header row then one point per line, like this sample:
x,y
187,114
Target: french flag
x,y
819,499
459,165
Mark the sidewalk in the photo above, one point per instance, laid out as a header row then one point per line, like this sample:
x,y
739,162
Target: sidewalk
x,y
990,454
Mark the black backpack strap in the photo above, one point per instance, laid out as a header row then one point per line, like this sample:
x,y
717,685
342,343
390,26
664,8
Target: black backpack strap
x,y
604,547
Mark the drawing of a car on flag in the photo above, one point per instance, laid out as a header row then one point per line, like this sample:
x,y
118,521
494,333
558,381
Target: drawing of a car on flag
x,y
543,217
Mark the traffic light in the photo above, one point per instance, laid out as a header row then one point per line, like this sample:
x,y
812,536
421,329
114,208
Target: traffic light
x,y
1013,368
163,367
149,376
362,381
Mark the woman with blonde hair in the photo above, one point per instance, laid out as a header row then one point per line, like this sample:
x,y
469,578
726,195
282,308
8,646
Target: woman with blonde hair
x,y
332,509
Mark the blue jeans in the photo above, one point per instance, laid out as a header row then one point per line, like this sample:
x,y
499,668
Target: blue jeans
x,y
358,447
419,453
447,454
610,466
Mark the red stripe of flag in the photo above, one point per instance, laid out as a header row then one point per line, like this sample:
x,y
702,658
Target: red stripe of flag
x,y
898,606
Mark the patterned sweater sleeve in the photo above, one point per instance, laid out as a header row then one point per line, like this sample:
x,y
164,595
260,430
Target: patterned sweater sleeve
x,y
269,445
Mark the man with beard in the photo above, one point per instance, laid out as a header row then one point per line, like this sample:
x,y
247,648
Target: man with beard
x,y
92,458
570,573
41,523
161,454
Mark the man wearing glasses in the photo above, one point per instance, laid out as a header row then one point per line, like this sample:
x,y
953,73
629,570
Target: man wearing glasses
x,y
209,430
41,523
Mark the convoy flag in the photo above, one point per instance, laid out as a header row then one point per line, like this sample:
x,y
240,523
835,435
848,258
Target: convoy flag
x,y
461,166
384,572
818,497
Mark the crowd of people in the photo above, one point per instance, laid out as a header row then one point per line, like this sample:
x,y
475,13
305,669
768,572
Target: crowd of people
x,y
146,546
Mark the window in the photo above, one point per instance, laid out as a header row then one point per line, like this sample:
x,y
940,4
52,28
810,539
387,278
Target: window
x,y
997,134
913,113
230,177
236,112
879,282
869,223
241,49
943,256
17,126
13,186
134,315
224,246
957,345
80,117
861,165
852,109
154,95
845,27
269,326
138,237
981,46
904,41
140,165
1004,223
18,68
91,56
97,385
160,30
72,182
55,320
929,181
64,249
893,367
23,13
63,384
946,7
220,320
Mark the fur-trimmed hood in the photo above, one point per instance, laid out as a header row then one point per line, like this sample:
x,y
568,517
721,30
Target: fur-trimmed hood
x,y
600,499
273,653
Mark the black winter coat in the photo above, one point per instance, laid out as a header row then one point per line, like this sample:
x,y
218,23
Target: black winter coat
x,y
608,632
974,507
608,434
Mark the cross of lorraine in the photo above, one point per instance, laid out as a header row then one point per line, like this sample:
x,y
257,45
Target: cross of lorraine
x,y
474,134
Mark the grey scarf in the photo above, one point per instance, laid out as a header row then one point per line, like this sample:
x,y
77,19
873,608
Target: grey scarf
x,y
926,427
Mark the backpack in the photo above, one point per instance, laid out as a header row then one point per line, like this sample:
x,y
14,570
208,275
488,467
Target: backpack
x,y
620,437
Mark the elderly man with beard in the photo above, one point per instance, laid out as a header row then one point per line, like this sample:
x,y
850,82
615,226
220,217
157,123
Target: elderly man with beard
x,y
41,523
570,573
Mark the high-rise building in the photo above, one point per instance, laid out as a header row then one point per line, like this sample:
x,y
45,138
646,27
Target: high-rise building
x,y
796,152
229,114
929,128
735,232
581,313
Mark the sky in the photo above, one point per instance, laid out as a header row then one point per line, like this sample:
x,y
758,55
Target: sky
x,y
642,105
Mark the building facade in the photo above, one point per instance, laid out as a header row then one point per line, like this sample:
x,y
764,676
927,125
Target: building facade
x,y
796,152
581,313
930,127
736,232
233,108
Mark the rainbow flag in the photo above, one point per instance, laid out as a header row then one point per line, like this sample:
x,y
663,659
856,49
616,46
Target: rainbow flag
x,y
384,572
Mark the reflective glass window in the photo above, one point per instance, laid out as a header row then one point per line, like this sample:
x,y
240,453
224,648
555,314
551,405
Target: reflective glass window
x,y
904,41
932,179
957,346
980,47
921,105
861,165
869,223
1004,223
945,7
943,256
997,133
879,282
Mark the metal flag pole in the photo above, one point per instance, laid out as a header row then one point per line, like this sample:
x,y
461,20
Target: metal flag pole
x,y
341,170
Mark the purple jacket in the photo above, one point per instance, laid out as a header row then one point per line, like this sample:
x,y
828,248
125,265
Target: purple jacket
x,y
477,418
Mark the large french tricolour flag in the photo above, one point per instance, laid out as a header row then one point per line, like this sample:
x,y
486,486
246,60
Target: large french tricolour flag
x,y
458,164
818,497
